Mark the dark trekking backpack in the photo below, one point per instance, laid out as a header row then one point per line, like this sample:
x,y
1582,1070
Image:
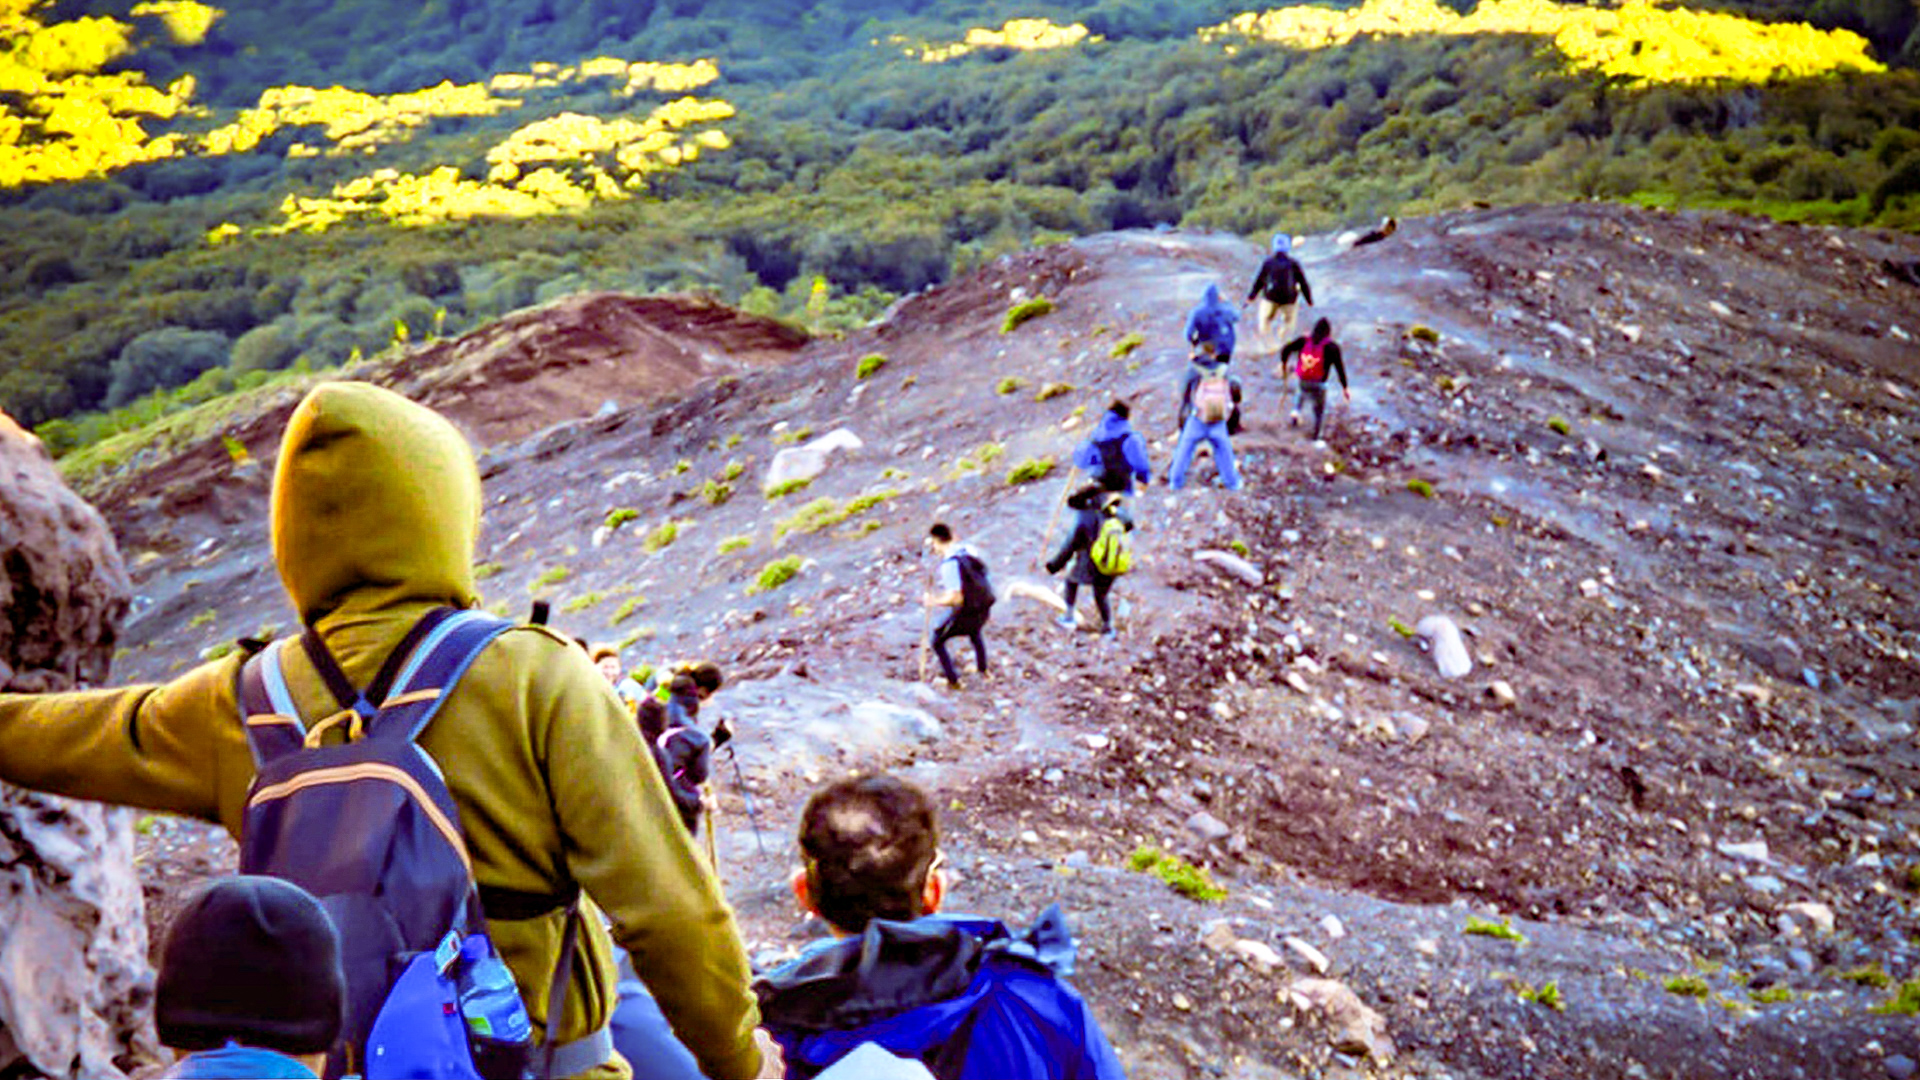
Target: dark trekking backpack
x,y
369,828
1283,285
1115,472
976,588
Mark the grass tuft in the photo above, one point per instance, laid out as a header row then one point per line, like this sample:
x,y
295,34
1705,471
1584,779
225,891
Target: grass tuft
x,y
1479,927
1687,986
620,516
552,576
581,602
1548,995
1125,346
1777,994
1905,1002
627,607
662,535
1559,425
1427,334
869,364
1024,312
734,543
1181,876
1028,471
1870,975
487,569
775,574
1053,390
1420,488
1009,385
715,492
826,512
788,487
1398,627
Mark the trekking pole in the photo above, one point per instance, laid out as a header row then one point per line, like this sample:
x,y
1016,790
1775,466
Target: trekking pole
x,y
1046,538
740,778
926,631
713,826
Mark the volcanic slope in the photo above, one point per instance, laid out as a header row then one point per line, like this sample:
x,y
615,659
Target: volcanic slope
x,y
1658,467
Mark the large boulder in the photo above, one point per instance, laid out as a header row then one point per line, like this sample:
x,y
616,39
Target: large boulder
x,y
76,990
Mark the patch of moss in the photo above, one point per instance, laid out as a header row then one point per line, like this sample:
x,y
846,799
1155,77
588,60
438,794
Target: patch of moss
x,y
775,574
627,607
826,512
868,526
988,453
734,543
732,440
683,465
1181,876
732,472
1548,995
487,569
1905,1002
1398,627
552,576
715,492
1125,346
1559,425
1029,470
205,618
869,364
1239,547
644,633
1502,929
1428,334
799,434
581,602
216,652
1687,986
1870,975
1420,488
662,535
1024,312
1009,385
620,516
1053,390
787,487
1777,994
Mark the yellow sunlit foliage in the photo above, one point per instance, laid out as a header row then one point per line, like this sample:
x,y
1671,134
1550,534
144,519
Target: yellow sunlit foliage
x,y
1024,34
187,22
352,119
1638,41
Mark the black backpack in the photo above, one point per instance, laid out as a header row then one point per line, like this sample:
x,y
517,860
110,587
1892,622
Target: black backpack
x,y
1283,284
976,589
1114,470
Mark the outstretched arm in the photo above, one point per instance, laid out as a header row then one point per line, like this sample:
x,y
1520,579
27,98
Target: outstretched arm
x,y
1306,290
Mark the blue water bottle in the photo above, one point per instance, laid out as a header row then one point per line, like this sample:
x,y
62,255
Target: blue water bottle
x,y
489,1000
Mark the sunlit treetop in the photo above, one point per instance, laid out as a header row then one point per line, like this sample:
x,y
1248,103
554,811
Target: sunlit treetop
x,y
1638,41
1024,34
187,22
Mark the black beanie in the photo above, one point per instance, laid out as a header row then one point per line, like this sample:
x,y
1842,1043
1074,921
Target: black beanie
x,y
255,960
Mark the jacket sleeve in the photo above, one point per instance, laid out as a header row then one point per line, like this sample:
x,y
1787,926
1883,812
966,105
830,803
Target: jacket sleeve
x,y
1193,325
1290,348
1259,282
1087,457
1306,290
1136,450
177,748
626,848
1068,545
1335,362
1186,401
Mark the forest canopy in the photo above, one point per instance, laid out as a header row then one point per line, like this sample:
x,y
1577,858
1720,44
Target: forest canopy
x,y
196,199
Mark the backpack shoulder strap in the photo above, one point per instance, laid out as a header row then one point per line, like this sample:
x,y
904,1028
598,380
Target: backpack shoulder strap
x,y
435,665
266,708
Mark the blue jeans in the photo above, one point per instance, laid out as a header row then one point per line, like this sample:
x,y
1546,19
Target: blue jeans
x,y
1215,435
641,1034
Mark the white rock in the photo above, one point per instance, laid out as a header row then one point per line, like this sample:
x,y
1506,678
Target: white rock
x,y
1720,309
1413,727
1441,636
794,463
1217,936
1502,694
1753,851
1314,958
1298,683
1208,827
837,439
1259,953
1029,837
1180,1002
1352,1027
1820,915
600,535
1098,742
1427,947
1331,926
1229,563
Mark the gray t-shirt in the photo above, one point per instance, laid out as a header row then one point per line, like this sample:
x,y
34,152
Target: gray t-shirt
x,y
950,567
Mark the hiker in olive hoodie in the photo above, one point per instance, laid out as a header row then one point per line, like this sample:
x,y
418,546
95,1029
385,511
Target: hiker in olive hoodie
x,y
1092,505
375,509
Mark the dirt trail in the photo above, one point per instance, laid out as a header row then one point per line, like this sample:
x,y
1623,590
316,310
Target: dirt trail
x,y
1680,535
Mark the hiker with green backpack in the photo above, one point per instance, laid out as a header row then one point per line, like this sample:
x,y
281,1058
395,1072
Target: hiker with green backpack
x,y
1099,548
462,794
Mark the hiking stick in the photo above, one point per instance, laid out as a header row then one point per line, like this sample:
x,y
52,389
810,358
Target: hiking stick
x,y
753,816
926,631
713,815
1046,538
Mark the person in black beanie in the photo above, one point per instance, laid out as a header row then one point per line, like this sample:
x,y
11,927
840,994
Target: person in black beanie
x,y
250,982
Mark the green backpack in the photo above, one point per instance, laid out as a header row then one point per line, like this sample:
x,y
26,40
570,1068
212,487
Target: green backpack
x,y
1112,550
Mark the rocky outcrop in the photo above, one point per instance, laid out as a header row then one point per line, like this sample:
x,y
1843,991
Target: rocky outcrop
x,y
75,987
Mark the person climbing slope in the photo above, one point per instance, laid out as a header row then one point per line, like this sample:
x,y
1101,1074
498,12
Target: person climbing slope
x,y
1279,285
1209,413
1210,327
965,588
1318,354
1115,456
1098,558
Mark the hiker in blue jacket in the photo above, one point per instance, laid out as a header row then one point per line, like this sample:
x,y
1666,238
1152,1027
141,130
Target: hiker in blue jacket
x,y
1210,326
1092,505
1116,455
1209,413
962,994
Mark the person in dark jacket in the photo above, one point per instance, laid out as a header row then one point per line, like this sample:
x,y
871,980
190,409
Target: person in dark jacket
x,y
962,994
1210,326
1317,355
1092,505
1196,428
1116,455
683,752
1279,285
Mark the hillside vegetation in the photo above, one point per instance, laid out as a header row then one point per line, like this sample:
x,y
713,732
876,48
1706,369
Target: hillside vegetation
x,y
196,200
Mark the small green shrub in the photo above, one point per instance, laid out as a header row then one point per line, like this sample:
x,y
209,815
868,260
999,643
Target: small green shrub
x,y
794,435
1548,995
988,453
1777,994
788,487
775,574
1238,547
1009,385
734,543
627,607
732,472
891,473
732,440
220,651
1025,311
581,602
1053,390
1870,975
662,535
1029,470
869,364
909,382
1420,488
1687,986
487,569
620,516
1559,425
553,576
1398,627
205,618
683,465
1905,1002
1181,876
236,450
715,492
825,512
1503,929
868,526
1125,346
1427,334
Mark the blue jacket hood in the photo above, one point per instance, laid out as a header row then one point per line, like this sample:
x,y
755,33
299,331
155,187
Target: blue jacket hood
x,y
1212,296
1282,243
1111,427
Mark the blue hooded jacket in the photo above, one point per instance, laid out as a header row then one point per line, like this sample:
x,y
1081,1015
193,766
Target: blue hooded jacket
x,y
960,993
1132,447
1213,322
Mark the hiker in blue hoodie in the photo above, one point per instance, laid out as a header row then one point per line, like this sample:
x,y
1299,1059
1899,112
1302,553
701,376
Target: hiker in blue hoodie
x,y
1280,284
1116,455
962,994
1210,327
1209,413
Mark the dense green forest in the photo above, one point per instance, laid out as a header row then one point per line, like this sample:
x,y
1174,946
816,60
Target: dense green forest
x,y
818,146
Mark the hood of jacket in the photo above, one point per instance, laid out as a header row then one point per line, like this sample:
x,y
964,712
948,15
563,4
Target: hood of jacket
x,y
1282,243
376,502
1211,298
1111,426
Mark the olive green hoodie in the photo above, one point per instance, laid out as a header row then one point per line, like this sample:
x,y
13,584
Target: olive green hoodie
x,y
376,506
